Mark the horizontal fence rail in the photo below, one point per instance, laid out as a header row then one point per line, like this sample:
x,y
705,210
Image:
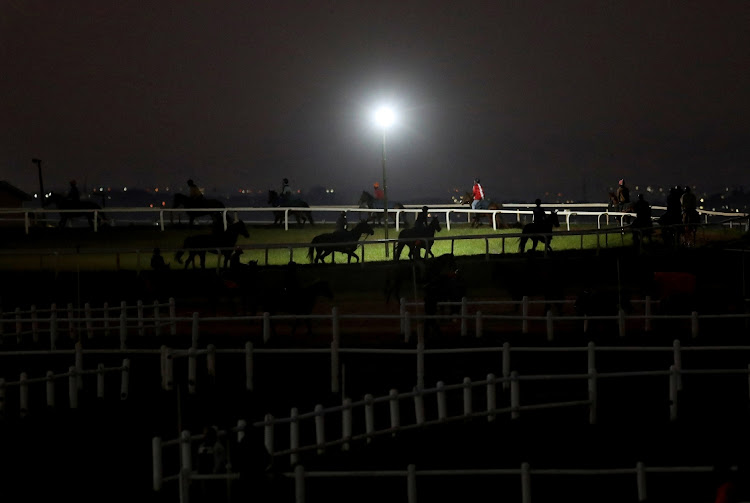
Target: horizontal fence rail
x,y
464,408
161,217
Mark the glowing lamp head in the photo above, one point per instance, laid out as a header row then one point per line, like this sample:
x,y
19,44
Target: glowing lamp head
x,y
384,117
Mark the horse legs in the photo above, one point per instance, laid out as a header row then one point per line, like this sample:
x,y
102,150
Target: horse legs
x,y
522,244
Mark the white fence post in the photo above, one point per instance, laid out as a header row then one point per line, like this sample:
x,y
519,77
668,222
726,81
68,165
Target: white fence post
x,y
294,436
299,484
419,406
515,398
192,370
525,483
320,430
268,433
491,397
346,423
640,470
468,406
158,467
694,324
411,484
186,465
442,405
672,393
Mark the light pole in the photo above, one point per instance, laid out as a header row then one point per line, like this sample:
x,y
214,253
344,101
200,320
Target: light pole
x,y
384,117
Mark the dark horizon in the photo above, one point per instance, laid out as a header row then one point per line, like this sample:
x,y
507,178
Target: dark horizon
x,y
531,97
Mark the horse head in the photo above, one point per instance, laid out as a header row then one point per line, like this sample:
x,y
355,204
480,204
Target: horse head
x,y
240,227
363,227
435,224
553,218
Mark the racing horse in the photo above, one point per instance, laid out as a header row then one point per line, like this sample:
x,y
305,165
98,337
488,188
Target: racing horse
x,y
221,242
345,241
301,216
416,239
614,205
533,230
476,218
190,203
63,203
367,200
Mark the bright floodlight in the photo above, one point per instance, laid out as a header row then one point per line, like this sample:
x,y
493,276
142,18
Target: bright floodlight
x,y
384,116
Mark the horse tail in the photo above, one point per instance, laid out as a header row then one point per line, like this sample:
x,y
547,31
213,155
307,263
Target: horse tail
x,y
178,256
310,217
310,253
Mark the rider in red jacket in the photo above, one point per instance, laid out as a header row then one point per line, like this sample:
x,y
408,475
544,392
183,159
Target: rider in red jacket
x,y
478,194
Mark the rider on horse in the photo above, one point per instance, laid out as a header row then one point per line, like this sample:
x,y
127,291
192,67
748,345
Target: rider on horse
x,y
73,194
478,193
689,205
538,214
195,191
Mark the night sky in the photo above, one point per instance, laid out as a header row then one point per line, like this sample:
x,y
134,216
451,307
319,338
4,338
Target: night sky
x,y
531,96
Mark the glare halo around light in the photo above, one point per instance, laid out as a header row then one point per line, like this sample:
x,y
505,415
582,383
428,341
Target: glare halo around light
x,y
384,117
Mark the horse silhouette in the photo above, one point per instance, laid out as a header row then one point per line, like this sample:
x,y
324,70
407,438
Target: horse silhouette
x,y
345,241
367,200
296,300
189,203
476,218
300,215
63,203
533,230
221,242
417,239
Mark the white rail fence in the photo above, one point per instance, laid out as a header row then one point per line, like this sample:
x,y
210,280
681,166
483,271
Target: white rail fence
x,y
157,216
75,378
90,322
365,427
